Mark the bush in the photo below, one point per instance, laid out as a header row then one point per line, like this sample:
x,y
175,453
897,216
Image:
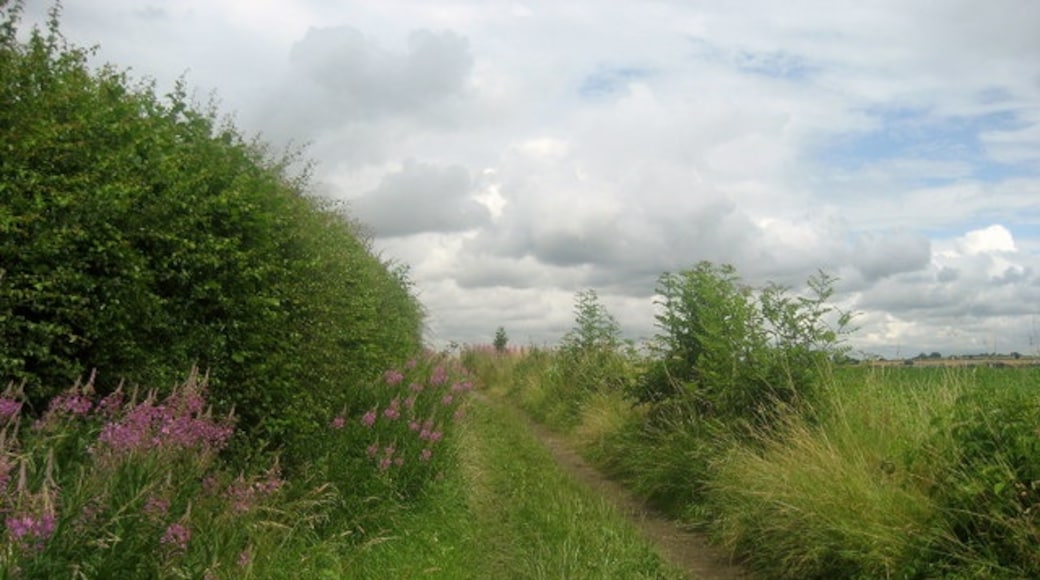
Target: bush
x,y
140,236
990,491
735,353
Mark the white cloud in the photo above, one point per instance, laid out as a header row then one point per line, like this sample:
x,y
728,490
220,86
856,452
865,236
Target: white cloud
x,y
515,152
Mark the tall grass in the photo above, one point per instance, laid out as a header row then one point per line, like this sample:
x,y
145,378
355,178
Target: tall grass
x,y
892,472
888,480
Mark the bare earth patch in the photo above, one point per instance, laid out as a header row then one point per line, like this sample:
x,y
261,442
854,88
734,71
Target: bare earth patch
x,y
690,551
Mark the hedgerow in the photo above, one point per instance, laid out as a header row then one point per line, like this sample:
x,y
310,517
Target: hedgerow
x,y
140,235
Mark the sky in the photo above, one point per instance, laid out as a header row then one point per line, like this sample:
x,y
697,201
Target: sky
x,y
514,153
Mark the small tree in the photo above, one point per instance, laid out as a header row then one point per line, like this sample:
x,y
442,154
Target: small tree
x,y
738,353
501,339
594,326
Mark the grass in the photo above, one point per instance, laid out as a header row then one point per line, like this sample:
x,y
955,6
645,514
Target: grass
x,y
542,523
894,472
507,512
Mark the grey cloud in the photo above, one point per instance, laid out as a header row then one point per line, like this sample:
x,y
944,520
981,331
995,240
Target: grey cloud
x,y
421,198
947,274
366,79
338,76
878,256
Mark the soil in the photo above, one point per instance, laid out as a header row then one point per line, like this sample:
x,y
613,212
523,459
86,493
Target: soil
x,y
685,549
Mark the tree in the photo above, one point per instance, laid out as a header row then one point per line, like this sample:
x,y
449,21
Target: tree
x,y
734,352
501,340
594,326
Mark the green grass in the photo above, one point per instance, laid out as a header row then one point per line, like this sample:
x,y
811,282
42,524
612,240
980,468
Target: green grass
x,y
881,485
509,512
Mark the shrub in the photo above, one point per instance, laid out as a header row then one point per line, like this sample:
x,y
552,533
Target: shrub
x,y
735,353
141,235
990,490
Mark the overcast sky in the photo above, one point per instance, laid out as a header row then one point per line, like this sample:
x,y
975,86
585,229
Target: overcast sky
x,y
513,153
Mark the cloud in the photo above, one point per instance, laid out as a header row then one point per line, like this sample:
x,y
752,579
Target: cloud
x,y
422,198
338,78
993,239
514,153
883,254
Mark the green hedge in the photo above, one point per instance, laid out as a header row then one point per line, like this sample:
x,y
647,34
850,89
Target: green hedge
x,y
140,235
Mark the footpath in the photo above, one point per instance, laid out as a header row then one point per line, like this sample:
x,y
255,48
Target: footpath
x,y
687,550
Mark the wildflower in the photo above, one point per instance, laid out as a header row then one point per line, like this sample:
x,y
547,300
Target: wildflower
x,y
447,400
415,387
73,403
439,377
425,455
399,461
413,426
5,471
9,409
373,449
411,363
369,419
393,412
31,532
384,464
111,404
338,422
156,508
177,536
393,377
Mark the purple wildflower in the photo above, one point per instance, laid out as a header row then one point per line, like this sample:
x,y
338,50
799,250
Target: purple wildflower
x,y
9,409
156,508
369,419
177,535
415,387
338,422
439,377
393,377
425,455
447,399
30,531
393,412
373,449
73,403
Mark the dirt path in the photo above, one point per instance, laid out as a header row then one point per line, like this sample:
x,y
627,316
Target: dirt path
x,y
689,551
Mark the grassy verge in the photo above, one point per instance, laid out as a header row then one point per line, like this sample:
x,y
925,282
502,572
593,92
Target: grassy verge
x,y
893,472
509,512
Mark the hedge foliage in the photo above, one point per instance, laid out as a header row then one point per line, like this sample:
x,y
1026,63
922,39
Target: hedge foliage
x,y
141,235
